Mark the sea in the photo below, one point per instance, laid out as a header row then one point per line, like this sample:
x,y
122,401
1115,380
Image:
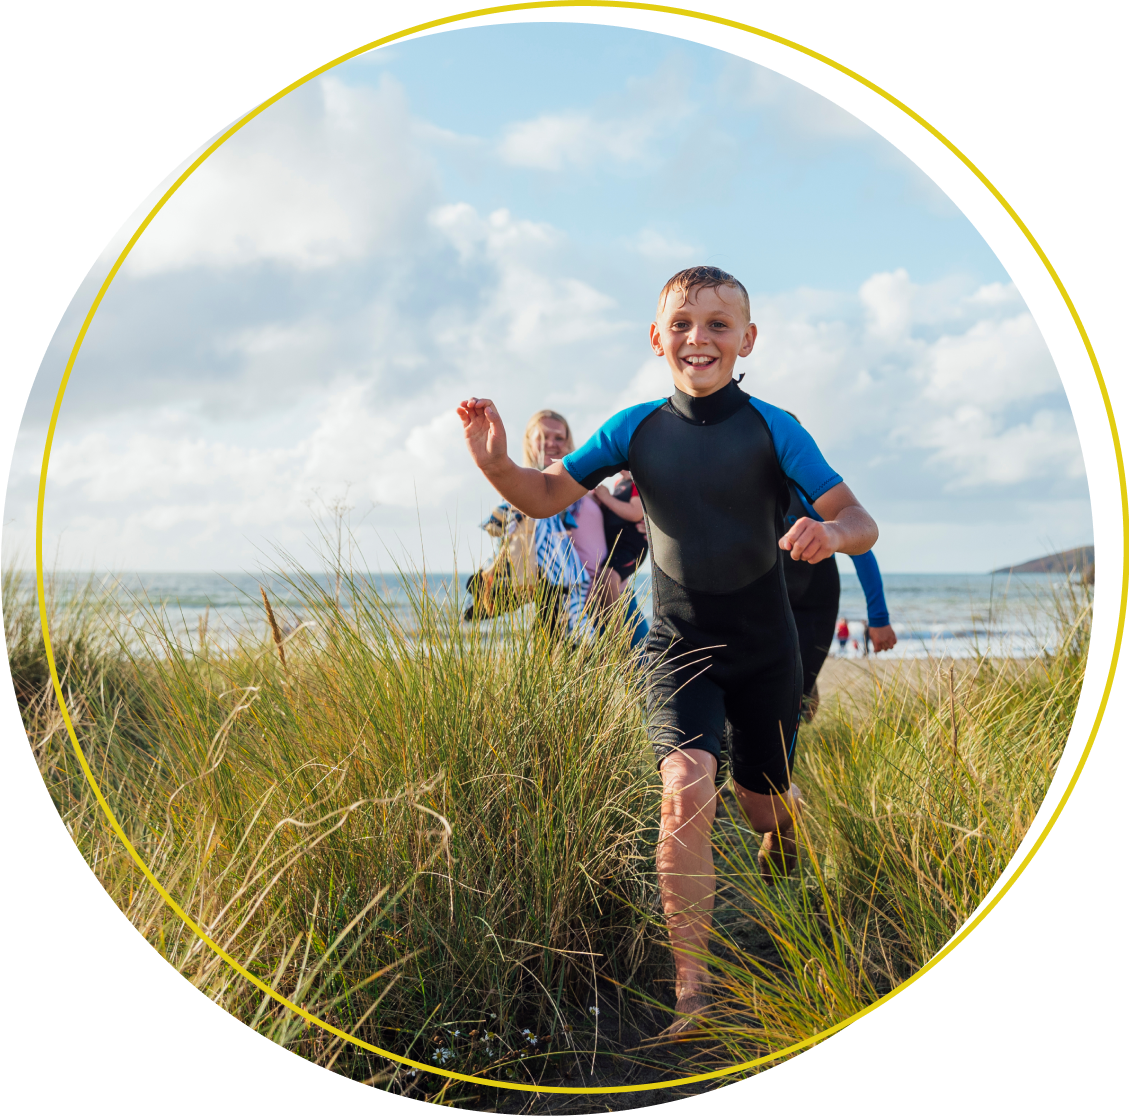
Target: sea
x,y
952,614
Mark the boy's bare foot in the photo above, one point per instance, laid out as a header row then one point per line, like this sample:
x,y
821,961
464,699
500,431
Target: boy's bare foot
x,y
777,856
688,1009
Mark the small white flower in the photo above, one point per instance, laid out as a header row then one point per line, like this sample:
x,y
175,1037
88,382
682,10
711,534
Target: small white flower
x,y
594,1011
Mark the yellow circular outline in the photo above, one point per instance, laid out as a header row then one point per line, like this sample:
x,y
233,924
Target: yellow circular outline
x,y
226,135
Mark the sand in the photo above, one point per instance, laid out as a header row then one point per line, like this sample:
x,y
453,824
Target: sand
x,y
855,682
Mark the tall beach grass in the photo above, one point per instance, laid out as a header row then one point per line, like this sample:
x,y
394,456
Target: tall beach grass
x,y
918,790
439,837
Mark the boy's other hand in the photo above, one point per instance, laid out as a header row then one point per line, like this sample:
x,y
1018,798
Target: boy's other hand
x,y
809,540
484,433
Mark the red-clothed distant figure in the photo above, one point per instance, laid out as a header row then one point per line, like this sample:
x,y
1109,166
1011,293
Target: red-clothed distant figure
x,y
842,634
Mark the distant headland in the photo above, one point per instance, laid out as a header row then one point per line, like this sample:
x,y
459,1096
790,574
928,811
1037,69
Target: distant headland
x,y
1078,560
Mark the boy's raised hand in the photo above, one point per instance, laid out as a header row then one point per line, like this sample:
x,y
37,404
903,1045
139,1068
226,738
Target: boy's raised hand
x,y
538,494
484,433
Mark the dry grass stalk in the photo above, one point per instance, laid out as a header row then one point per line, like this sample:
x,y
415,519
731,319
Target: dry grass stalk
x,y
278,641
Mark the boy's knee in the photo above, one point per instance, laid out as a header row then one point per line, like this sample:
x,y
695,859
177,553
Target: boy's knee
x,y
689,772
688,786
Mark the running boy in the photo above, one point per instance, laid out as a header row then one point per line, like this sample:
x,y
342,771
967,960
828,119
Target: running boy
x,y
712,466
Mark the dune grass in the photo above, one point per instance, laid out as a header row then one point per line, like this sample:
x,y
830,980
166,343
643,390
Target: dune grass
x,y
432,834
440,837
918,791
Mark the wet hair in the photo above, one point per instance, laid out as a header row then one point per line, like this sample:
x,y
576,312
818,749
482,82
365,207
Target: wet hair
x,y
531,456
691,279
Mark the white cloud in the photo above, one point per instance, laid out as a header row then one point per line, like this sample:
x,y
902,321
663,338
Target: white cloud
x,y
888,300
942,386
977,450
498,236
526,310
619,129
553,141
996,294
335,178
994,362
963,378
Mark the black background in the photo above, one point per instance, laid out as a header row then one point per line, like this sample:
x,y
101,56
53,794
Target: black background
x,y
98,114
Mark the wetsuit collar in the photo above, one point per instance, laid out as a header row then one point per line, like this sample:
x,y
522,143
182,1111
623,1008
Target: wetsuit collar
x,y
709,409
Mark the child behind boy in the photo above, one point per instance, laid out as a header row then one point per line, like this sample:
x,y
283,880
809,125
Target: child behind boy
x,y
712,467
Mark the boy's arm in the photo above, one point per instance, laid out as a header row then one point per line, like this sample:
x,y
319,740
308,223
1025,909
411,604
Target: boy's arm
x,y
538,494
846,527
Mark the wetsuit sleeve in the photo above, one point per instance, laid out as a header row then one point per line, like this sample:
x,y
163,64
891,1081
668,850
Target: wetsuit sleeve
x,y
799,456
605,453
870,578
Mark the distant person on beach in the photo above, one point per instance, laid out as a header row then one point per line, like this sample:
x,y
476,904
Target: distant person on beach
x,y
725,680
842,634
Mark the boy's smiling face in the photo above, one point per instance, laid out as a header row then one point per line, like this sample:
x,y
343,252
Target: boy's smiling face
x,y
702,335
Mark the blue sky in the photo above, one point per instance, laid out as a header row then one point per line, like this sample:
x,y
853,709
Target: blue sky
x,y
492,211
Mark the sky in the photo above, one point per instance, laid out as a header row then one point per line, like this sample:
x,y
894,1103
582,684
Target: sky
x,y
492,211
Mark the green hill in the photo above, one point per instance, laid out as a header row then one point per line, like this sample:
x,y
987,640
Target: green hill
x,y
1078,560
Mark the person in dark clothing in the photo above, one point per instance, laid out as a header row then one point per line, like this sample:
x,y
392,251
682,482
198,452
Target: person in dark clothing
x,y
813,593
623,525
626,537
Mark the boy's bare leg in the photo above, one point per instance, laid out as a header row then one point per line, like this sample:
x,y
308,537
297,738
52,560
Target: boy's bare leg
x,y
686,875
775,816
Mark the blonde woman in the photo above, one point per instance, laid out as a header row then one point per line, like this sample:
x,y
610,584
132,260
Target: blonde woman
x,y
565,572
547,439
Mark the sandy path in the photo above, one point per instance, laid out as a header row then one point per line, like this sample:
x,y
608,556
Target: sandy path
x,y
856,681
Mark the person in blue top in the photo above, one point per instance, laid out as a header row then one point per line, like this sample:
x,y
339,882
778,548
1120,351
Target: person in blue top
x,y
712,466
813,593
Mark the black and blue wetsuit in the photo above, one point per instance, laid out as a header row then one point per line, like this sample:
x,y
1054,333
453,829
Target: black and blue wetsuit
x,y
813,593
713,476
